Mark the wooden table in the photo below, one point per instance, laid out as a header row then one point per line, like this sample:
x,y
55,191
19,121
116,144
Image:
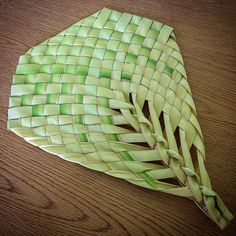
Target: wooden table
x,y
40,194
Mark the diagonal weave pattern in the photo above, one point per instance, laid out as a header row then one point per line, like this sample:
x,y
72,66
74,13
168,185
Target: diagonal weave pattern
x,y
111,93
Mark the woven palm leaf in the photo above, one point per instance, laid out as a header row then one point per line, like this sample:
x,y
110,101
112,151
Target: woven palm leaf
x,y
111,93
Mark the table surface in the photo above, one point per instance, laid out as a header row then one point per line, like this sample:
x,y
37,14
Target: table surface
x,y
41,194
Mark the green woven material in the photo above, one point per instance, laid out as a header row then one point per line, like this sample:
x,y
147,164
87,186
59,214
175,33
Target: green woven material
x,y
111,93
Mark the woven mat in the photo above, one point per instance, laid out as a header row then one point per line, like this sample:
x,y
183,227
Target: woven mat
x,y
111,93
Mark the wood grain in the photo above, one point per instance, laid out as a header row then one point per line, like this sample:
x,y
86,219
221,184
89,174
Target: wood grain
x,y
40,194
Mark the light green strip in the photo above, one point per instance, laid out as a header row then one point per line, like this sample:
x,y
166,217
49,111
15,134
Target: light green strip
x,y
147,178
